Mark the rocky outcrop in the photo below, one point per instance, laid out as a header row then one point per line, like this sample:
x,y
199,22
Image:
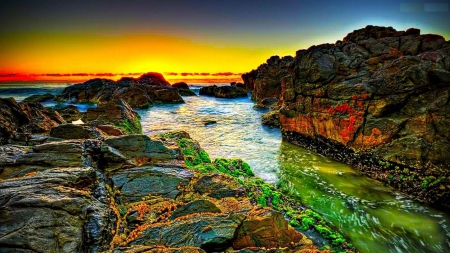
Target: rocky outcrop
x,y
93,196
70,113
141,92
18,119
183,89
223,91
115,112
38,98
378,100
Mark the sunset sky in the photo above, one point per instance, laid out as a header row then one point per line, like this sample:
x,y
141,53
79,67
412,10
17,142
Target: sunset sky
x,y
68,40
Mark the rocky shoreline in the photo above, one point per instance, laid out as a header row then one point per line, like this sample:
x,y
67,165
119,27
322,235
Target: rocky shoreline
x,y
103,187
377,100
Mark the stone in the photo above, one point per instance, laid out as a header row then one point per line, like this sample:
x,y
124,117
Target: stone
x,y
137,182
223,91
70,113
219,186
38,98
71,131
183,89
196,206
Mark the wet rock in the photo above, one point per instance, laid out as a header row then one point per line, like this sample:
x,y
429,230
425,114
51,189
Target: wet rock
x,y
141,146
110,130
38,98
117,113
196,206
267,103
209,122
271,119
218,186
135,183
183,89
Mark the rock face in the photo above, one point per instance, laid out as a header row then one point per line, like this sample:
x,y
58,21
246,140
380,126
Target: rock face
x,y
142,92
377,100
183,89
70,113
25,118
129,194
223,91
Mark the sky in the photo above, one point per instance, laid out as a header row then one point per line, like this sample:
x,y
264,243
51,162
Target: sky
x,y
184,39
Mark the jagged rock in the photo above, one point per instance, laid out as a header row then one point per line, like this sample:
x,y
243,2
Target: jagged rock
x,y
373,100
24,118
138,182
196,206
157,249
272,119
70,113
223,91
267,102
53,211
38,98
117,113
141,92
183,89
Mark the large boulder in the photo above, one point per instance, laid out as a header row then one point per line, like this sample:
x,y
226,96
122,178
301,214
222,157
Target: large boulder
x,y
25,118
117,113
38,98
376,100
70,113
140,92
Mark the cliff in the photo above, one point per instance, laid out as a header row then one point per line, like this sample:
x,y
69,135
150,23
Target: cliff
x,y
378,100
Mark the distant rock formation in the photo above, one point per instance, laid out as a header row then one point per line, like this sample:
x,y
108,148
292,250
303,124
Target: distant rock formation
x,y
223,91
140,92
378,99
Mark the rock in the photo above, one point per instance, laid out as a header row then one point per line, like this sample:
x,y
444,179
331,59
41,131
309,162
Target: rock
x,y
117,113
223,91
267,228
110,130
183,89
267,103
157,249
24,118
71,131
70,113
196,206
271,119
142,147
141,92
362,99
219,186
209,122
38,98
53,211
138,182
210,232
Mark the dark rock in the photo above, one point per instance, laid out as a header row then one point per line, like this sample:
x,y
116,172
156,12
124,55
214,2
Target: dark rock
x,y
196,206
183,89
223,91
38,98
141,92
267,103
271,119
219,186
25,118
139,182
71,131
209,122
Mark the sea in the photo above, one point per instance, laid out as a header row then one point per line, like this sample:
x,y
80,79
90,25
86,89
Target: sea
x,y
374,217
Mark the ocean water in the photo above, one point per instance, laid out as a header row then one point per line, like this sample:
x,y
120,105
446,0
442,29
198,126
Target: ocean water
x,y
372,216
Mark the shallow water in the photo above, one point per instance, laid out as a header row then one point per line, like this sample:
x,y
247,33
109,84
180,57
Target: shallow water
x,y
372,216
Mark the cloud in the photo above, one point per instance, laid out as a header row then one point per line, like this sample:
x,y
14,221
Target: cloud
x,y
134,74
104,74
8,75
205,74
223,74
56,74
170,73
187,74
80,74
